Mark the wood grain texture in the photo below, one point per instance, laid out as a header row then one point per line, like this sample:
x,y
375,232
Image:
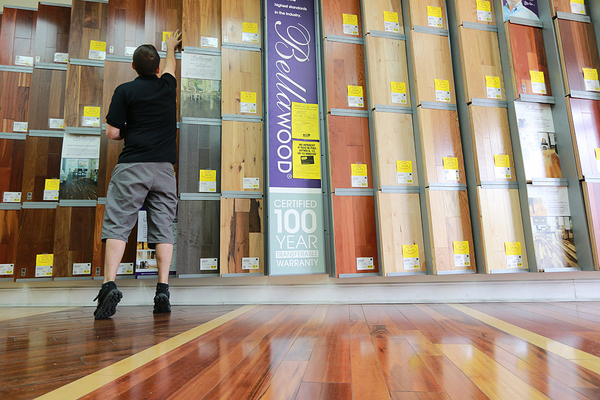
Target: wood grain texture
x,y
241,72
242,155
14,99
449,221
12,159
490,134
500,221
466,11
51,32
73,238
591,194
386,61
199,149
355,233
17,37
344,66
431,60
36,236
9,233
88,22
84,89
233,14
372,14
333,19
399,217
564,6
527,53
126,25
198,235
47,99
418,12
348,144
242,234
200,18
440,137
578,49
43,155
584,116
394,141
480,57
161,16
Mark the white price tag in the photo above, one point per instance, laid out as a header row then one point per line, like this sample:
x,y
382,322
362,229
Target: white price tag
x,y
20,126
538,87
514,261
61,57
399,98
251,183
249,37
129,50
250,263
50,195
125,269
208,187
7,269
11,197
360,181
24,61
451,175
209,264
43,272
365,264
93,122
209,42
82,268
502,172
56,123
578,7
404,177
97,55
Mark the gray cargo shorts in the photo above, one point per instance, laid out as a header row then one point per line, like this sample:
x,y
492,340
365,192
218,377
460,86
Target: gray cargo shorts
x,y
134,185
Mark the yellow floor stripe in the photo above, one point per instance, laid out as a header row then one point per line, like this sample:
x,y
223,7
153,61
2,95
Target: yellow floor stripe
x,y
577,356
22,312
88,384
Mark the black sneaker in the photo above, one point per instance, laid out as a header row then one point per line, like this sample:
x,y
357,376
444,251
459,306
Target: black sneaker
x,y
108,298
161,299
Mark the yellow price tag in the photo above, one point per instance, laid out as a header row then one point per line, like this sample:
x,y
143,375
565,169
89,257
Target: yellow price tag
x,y
537,76
512,248
461,247
208,175
483,5
398,87
577,1
410,250
44,260
97,46
249,27
248,97
390,16
590,73
359,169
434,11
355,91
450,162
502,160
166,36
404,166
442,84
492,81
597,154
52,184
350,19
91,112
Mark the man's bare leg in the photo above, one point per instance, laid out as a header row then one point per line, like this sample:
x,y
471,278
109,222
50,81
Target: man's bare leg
x,y
109,296
115,249
164,254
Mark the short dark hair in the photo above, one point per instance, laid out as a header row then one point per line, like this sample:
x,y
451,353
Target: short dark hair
x,y
146,60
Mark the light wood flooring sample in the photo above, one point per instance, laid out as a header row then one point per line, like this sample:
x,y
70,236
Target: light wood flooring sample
x,y
475,11
236,13
242,156
429,13
200,18
376,13
344,66
241,72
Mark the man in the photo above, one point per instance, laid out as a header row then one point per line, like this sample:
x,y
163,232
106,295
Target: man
x,y
515,8
143,112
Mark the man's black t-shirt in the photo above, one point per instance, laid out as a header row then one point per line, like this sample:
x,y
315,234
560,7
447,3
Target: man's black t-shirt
x,y
146,109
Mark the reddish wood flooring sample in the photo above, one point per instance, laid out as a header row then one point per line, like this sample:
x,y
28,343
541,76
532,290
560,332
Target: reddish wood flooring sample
x,y
348,144
591,193
99,246
420,11
9,233
355,233
47,99
14,99
373,15
333,17
585,131
527,53
51,31
234,13
12,158
36,236
84,89
466,11
73,239
88,22
344,66
43,155
200,18
126,20
161,16
17,37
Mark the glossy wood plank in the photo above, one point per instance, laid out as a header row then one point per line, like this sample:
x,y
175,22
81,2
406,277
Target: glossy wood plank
x,y
399,217
199,149
344,66
84,89
541,157
387,63
419,15
88,22
73,239
126,21
17,37
501,222
449,221
14,99
242,234
431,60
47,99
233,15
200,18
355,233
43,155
565,6
591,194
333,17
527,53
242,155
161,16
584,117
466,11
440,137
304,345
52,29
36,236
348,144
9,233
372,14
241,72
12,159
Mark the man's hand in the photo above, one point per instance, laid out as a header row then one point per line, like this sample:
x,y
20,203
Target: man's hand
x,y
174,41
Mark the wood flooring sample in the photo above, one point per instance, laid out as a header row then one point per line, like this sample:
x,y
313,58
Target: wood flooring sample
x,y
501,225
88,22
241,23
242,156
388,76
17,38
428,13
199,149
84,89
342,18
126,26
344,67
475,11
481,64
73,239
12,159
432,61
241,72
441,146
449,222
43,155
47,99
383,16
198,248
591,194
349,146
14,101
578,53
395,143
242,236
584,116
52,32
569,6
355,234
490,133
527,57
36,237
400,227
9,233
201,19
161,16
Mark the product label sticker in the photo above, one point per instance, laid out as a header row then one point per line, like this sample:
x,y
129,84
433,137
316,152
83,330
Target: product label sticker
x,y
248,102
434,16
590,76
494,87
514,259
451,169
355,96
208,181
11,197
209,264
578,7
462,258
97,50
597,152
251,183
538,82
43,265
206,41
398,92
56,123
7,269
390,21
51,188
404,172
442,90
82,268
24,61
359,175
484,11
502,166
165,37
250,263
43,272
306,161
129,50
125,269
305,121
20,126
250,32
410,256
91,117
365,264
61,57
350,24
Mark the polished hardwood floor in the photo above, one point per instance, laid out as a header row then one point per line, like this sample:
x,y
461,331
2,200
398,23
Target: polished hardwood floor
x,y
404,351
